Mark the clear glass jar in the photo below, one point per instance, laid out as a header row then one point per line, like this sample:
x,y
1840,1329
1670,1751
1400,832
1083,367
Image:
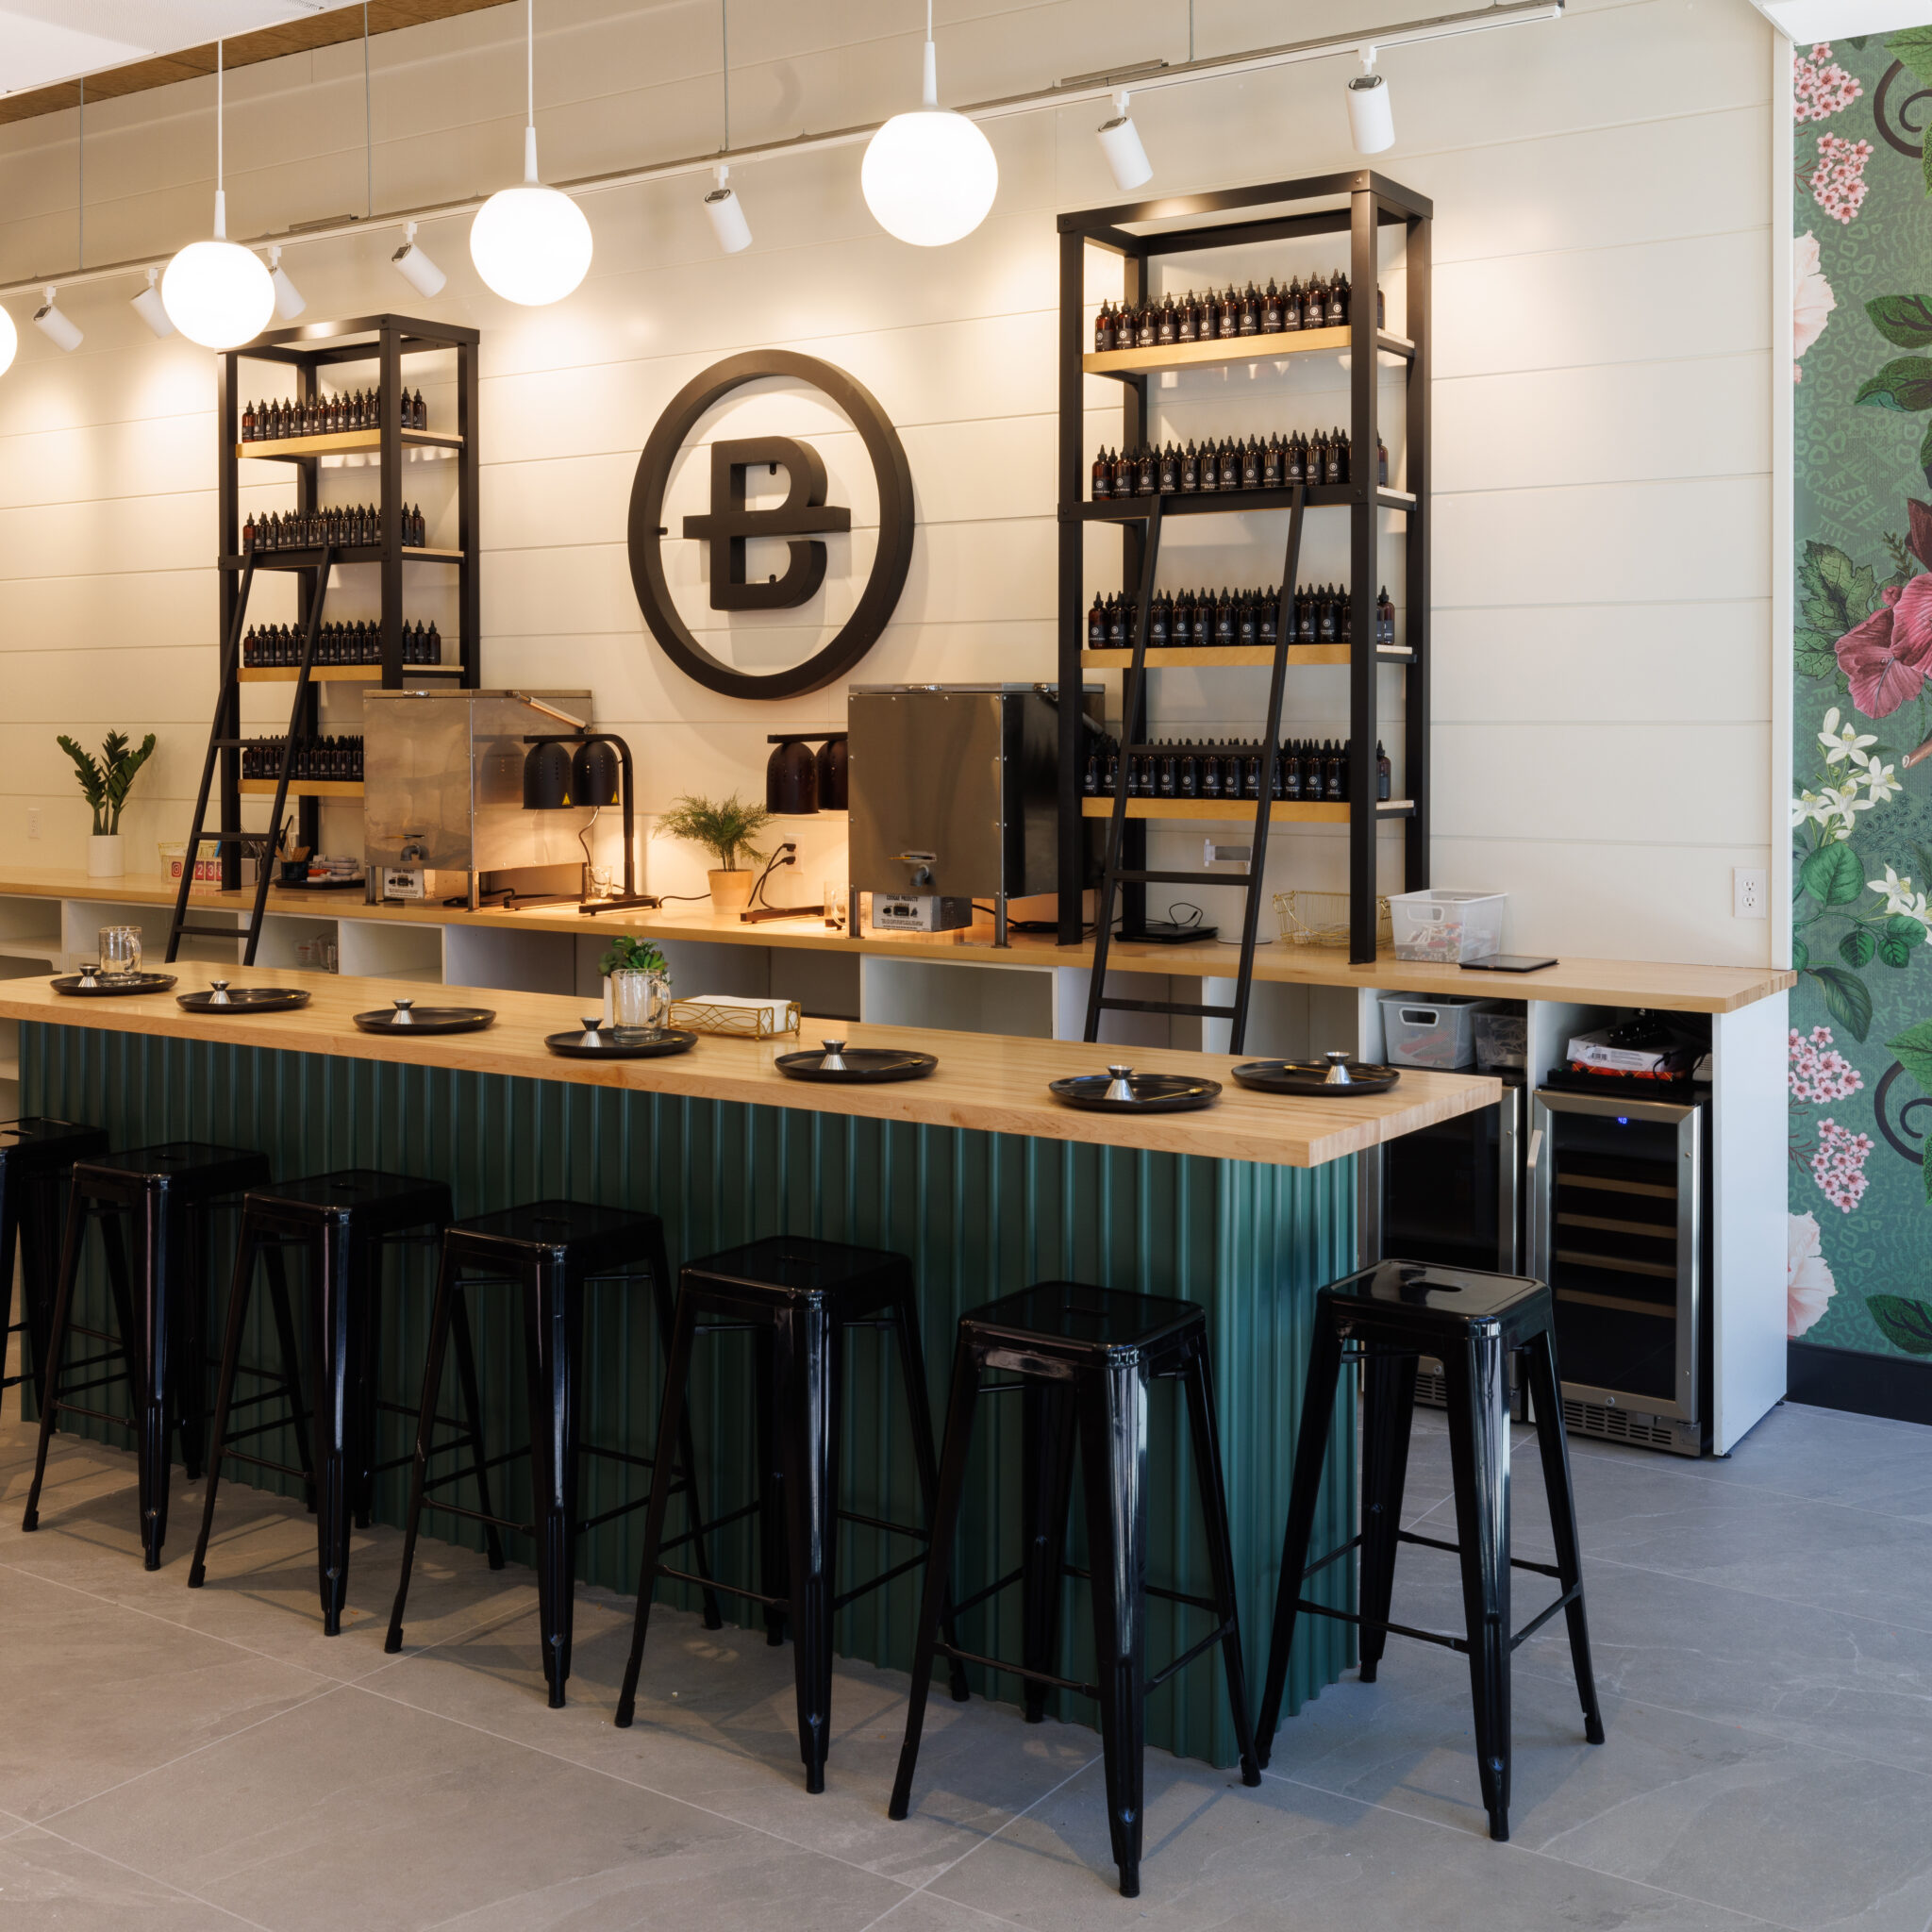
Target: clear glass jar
x,y
640,998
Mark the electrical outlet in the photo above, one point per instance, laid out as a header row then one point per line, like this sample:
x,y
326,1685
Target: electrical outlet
x,y
1235,856
1750,893
33,821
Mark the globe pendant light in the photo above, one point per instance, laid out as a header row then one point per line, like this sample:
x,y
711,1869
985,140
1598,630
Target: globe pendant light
x,y
217,292
531,244
10,341
930,176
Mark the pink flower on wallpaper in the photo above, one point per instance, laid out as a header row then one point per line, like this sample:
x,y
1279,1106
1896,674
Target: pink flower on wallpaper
x,y
1818,1071
1811,298
1819,87
1808,1285
1839,1166
1889,656
1838,183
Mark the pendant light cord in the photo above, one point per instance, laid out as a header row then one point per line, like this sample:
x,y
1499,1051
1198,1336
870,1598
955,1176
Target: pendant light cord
x,y
368,125
530,93
80,165
220,199
724,63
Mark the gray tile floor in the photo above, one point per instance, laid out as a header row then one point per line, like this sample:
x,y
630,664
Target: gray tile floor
x,y
172,1759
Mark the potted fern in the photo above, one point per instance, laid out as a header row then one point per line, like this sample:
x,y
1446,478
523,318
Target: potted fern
x,y
103,783
726,829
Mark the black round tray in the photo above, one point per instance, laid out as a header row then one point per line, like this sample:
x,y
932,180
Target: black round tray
x,y
1309,1078
863,1064
1153,1092
245,999
600,1042
112,988
428,1020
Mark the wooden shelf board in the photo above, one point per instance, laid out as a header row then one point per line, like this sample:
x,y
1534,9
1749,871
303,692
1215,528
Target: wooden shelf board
x,y
353,553
1123,509
1221,351
1234,810
32,946
304,787
341,674
1221,657
341,442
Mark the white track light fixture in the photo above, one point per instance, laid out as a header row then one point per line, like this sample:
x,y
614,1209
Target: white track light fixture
x,y
930,176
55,327
150,308
531,244
415,267
1120,142
218,294
1371,124
728,216
10,341
289,300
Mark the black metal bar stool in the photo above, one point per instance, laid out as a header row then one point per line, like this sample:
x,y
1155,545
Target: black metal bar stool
x,y
166,1191
1389,1316
37,1155
346,1221
798,1298
1084,1359
552,1250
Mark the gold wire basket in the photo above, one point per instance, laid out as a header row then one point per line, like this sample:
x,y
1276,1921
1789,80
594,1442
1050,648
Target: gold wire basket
x,y
1321,919
755,1020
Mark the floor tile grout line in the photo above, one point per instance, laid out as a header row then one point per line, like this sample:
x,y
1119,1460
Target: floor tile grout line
x,y
179,1891
1510,1846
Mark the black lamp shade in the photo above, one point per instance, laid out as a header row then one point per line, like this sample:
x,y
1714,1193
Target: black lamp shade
x,y
832,761
547,777
791,779
593,773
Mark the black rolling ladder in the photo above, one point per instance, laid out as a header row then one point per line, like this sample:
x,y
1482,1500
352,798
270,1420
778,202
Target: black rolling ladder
x,y
1134,713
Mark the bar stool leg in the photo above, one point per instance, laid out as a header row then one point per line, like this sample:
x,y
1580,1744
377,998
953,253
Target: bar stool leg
x,y
448,1288
1387,1417
291,1352
56,1344
1310,1452
1113,1461
246,1247
1046,1492
807,1428
187,1318
937,1595
906,1333
1197,1386
12,1233
553,1340
662,1296
1546,1402
158,1249
39,1215
774,1548
672,1415
334,1409
365,1278
1478,1392
473,1414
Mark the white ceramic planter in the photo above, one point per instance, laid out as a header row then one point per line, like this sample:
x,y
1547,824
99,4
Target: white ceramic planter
x,y
104,855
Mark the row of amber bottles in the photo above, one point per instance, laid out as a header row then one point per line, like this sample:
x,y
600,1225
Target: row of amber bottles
x,y
1318,614
1278,463
341,527
1227,316
1301,771
280,645
329,415
317,759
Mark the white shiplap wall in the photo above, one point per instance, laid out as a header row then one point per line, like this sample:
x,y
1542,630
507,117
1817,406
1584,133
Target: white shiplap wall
x,y
1601,405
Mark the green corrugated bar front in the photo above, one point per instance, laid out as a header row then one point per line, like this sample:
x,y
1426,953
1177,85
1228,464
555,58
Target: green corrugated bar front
x,y
979,1214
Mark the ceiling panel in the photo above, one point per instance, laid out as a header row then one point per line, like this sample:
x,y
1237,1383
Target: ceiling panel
x,y
43,42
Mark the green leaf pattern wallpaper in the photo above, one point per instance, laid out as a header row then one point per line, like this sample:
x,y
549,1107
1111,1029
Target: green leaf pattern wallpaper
x,y
1860,1050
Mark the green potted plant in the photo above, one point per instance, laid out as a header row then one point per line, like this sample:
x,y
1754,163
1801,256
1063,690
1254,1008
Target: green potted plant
x,y
637,983
103,783
726,829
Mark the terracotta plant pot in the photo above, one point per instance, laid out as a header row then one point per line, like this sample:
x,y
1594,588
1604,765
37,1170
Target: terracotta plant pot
x,y
730,890
104,855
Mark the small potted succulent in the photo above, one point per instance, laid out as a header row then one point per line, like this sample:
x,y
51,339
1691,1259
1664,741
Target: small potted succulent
x,y
103,783
726,829
637,983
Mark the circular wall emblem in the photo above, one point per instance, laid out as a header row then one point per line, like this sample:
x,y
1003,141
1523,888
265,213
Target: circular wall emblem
x,y
729,523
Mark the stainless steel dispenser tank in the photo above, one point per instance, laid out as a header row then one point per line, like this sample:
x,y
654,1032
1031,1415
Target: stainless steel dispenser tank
x,y
954,798
443,790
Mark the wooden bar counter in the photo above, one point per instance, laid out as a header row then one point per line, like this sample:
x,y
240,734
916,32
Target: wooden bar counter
x,y
974,1173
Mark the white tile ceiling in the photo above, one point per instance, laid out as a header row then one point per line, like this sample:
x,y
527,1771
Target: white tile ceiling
x,y
46,41
1832,19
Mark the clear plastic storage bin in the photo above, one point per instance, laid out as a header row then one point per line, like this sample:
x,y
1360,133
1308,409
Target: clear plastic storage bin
x,y
1502,1039
1430,1029
1447,928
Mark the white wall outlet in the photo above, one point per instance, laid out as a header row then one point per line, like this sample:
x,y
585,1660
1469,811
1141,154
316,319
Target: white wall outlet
x,y
1235,856
33,821
1750,893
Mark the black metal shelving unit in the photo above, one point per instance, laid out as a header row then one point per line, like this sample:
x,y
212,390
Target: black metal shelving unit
x,y
1359,204
386,343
